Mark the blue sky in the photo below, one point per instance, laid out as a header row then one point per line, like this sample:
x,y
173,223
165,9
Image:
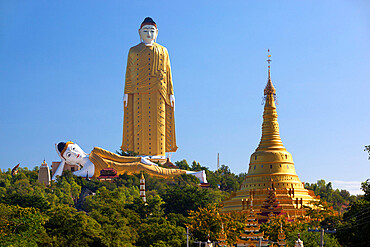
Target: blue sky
x,y
62,66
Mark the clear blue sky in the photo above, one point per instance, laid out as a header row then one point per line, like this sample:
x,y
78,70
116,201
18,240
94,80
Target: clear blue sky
x,y
62,66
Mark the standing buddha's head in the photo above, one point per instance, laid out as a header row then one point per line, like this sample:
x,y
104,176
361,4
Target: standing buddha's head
x,y
148,31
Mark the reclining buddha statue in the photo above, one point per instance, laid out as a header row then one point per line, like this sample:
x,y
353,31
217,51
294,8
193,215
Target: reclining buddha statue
x,y
99,159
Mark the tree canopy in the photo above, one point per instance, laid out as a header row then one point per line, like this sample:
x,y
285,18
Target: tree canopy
x,y
73,211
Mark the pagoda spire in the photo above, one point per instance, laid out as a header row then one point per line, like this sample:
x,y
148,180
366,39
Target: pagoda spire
x,y
269,89
270,139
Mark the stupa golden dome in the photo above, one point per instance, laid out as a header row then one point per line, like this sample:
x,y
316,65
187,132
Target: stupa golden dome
x,y
271,170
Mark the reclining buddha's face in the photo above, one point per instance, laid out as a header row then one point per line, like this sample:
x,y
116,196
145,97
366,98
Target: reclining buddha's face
x,y
74,154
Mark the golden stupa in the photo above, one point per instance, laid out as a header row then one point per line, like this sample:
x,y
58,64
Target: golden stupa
x,y
271,183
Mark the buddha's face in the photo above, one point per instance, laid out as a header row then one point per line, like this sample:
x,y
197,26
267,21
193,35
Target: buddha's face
x,y
148,33
73,154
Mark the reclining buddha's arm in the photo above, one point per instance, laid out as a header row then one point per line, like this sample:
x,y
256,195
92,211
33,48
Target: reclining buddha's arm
x,y
59,170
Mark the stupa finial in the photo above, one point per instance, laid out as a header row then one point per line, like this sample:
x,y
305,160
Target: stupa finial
x,y
268,56
269,89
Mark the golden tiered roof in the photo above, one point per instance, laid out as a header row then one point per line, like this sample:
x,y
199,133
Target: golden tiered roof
x,y
271,162
252,234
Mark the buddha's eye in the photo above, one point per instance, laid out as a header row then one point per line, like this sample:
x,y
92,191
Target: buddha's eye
x,y
68,154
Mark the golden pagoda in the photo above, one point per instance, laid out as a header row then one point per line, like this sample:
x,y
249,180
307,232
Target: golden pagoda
x,y
271,173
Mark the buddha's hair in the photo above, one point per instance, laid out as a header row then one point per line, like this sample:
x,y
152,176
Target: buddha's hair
x,y
61,146
148,21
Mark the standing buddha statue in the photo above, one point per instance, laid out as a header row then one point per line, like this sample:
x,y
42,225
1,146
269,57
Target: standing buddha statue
x,y
149,102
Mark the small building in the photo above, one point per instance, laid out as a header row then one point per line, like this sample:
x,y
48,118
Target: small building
x,y
107,174
205,185
44,174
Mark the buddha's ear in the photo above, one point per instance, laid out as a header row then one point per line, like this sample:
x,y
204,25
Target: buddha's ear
x,y
141,40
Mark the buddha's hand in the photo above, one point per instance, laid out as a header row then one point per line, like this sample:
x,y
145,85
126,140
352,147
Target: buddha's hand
x,y
125,99
172,100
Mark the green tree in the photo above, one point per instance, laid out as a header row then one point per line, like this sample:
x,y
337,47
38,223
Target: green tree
x,y
195,166
117,222
339,199
151,208
183,164
68,227
322,214
272,228
208,221
177,219
291,229
224,179
229,182
180,200
365,187
35,201
22,226
186,179
160,232
354,229
115,226
311,239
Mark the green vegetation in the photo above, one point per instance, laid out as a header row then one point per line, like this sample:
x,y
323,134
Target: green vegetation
x,y
354,229
209,221
75,212
339,199
115,215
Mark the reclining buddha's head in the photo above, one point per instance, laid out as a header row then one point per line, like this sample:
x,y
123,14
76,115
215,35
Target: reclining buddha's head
x,y
148,31
70,152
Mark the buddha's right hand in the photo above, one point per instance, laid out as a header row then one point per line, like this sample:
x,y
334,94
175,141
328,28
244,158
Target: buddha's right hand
x,y
125,99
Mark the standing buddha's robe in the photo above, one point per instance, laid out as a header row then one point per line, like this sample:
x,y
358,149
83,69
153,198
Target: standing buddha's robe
x,y
148,124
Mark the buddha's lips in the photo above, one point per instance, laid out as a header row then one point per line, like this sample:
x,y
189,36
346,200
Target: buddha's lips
x,y
78,155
